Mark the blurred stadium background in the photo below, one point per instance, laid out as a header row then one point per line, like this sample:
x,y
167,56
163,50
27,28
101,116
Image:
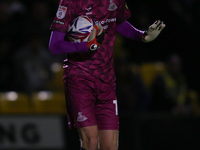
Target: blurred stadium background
x,y
157,110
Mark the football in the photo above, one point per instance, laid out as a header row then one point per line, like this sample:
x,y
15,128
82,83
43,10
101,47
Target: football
x,y
80,29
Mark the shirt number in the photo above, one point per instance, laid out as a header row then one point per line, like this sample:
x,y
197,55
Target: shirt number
x,y
116,107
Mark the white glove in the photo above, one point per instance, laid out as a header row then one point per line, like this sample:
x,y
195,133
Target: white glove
x,y
153,31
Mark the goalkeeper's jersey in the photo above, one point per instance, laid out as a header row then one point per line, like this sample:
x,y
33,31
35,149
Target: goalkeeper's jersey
x,y
105,12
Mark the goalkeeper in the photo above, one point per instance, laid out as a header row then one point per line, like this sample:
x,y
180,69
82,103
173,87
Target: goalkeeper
x,y
89,77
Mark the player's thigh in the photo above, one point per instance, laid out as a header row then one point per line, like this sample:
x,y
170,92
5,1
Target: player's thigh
x,y
108,139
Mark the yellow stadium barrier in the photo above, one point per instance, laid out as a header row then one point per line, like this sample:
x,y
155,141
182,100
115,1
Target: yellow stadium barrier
x,y
15,103
49,102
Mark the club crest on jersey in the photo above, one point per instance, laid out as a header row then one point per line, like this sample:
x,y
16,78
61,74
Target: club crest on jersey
x,y
61,12
112,6
81,118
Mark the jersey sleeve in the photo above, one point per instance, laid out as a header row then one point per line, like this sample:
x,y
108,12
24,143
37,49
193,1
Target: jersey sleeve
x,y
64,16
123,12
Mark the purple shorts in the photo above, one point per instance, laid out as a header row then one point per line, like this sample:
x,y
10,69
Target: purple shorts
x,y
90,102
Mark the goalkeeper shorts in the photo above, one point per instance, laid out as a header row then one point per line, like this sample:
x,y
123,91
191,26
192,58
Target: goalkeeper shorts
x,y
90,102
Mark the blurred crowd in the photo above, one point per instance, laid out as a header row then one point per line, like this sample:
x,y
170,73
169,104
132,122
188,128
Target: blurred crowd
x,y
26,64
25,61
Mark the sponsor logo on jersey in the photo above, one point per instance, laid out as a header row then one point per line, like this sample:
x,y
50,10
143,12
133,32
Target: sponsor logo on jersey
x,y
112,6
61,12
81,118
106,21
105,27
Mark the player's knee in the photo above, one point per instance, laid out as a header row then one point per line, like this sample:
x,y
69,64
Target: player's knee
x,y
89,137
109,147
93,142
90,142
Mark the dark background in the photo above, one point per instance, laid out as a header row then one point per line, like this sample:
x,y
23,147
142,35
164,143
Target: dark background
x,y
182,19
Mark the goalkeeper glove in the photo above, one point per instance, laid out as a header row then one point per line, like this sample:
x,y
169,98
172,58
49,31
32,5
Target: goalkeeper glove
x,y
96,38
153,31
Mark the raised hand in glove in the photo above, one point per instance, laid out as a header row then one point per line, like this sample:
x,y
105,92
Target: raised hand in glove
x,y
153,31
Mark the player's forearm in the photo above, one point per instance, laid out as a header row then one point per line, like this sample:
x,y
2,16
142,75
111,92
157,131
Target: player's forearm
x,y
57,45
129,31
